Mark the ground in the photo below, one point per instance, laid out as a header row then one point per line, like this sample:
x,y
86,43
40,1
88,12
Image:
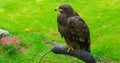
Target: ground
x,y
34,22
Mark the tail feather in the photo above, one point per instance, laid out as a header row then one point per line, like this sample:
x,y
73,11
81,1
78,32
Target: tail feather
x,y
84,45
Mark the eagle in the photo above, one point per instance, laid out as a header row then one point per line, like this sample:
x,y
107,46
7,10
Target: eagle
x,y
73,28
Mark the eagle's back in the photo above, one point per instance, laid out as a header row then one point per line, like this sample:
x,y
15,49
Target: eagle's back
x,y
79,31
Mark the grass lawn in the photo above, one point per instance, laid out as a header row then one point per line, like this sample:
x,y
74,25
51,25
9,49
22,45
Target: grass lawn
x,y
102,17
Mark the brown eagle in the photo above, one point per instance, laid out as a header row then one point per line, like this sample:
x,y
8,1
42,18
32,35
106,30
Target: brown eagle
x,y
73,28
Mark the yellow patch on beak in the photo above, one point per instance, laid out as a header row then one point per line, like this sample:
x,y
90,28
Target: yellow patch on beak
x,y
58,9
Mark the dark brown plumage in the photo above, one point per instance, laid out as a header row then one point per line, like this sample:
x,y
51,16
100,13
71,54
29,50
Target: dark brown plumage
x,y
73,28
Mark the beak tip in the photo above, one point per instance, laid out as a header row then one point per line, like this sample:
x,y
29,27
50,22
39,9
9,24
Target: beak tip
x,y
57,8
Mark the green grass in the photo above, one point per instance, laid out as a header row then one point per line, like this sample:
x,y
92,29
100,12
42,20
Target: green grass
x,y
102,16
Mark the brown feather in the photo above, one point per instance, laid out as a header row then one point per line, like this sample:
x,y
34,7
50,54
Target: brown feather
x,y
73,28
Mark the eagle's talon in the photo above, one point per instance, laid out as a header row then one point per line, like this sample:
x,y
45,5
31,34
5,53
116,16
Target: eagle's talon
x,y
69,48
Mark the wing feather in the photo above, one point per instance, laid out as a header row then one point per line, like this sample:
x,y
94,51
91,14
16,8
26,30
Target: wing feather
x,y
80,32
77,27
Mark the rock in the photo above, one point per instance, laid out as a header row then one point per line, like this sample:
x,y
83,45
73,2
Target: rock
x,y
3,33
10,40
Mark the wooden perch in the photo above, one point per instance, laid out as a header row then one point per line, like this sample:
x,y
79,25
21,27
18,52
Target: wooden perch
x,y
78,53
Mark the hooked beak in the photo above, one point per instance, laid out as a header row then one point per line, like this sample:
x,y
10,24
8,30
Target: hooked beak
x,y
58,9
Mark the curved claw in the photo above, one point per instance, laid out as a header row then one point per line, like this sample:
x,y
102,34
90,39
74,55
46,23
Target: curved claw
x,y
69,48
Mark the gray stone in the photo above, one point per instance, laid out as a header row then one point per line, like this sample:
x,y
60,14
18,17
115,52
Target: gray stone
x,y
3,33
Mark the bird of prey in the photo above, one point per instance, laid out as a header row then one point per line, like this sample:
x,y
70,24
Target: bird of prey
x,y
73,28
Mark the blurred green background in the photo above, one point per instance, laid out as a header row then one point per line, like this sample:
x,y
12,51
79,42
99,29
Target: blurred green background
x,y
34,22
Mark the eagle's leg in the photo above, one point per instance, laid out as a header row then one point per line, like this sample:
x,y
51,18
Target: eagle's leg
x,y
69,48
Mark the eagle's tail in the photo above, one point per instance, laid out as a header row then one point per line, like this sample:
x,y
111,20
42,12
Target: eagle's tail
x,y
84,45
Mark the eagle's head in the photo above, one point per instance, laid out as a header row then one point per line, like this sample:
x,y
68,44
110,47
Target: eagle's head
x,y
66,8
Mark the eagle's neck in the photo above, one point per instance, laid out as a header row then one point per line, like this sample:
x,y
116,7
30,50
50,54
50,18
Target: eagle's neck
x,y
62,18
